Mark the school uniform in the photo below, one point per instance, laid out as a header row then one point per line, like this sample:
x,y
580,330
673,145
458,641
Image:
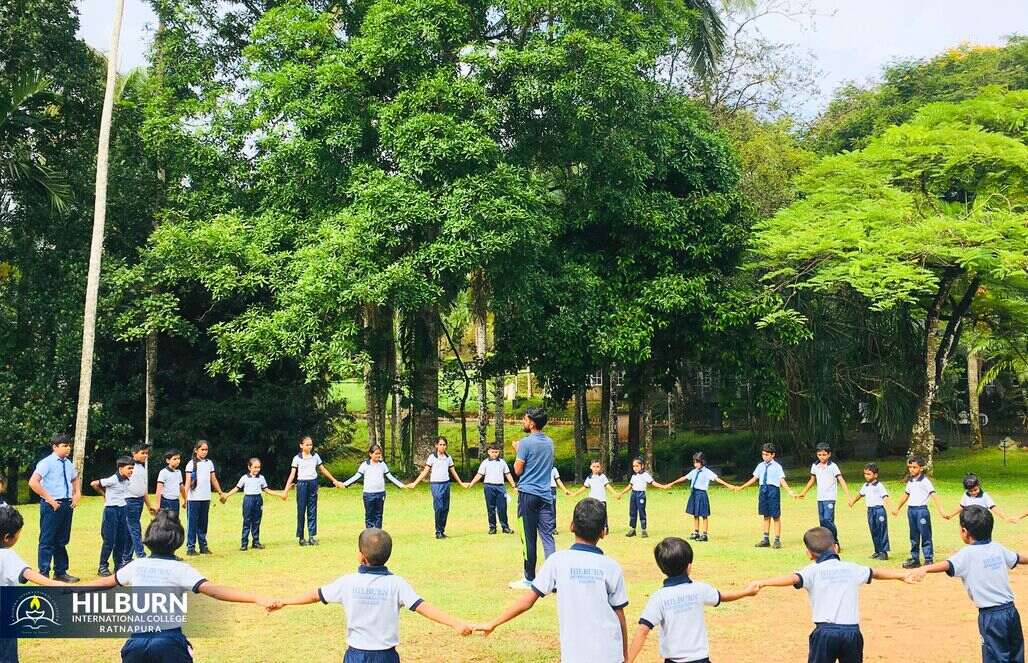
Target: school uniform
x,y
114,528
827,476
877,520
554,475
12,572
597,485
590,586
984,568
372,599
253,488
982,499
919,519
306,493
134,503
172,482
639,481
493,473
699,502
769,497
374,475
198,502
56,476
439,480
677,608
833,588
167,644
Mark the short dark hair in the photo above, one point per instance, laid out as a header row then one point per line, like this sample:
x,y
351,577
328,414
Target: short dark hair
x,y
872,467
11,522
538,416
978,522
823,446
971,480
769,448
493,447
171,453
140,446
699,457
640,460
597,461
124,461
590,519
252,461
818,540
60,438
376,545
673,555
917,459
164,535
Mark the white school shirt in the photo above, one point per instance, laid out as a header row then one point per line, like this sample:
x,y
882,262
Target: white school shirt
x,y
984,568
774,473
589,587
160,571
12,568
640,481
372,598
827,481
374,475
677,608
833,587
306,468
701,479
493,471
983,499
440,467
596,483
252,485
138,482
874,493
116,489
172,480
920,490
201,492
554,475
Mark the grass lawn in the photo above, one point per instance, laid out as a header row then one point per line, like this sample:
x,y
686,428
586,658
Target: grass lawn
x,y
468,573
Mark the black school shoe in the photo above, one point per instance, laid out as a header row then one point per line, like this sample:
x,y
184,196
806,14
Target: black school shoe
x,y
206,551
191,553
257,546
630,532
507,530
764,543
911,563
492,530
303,542
313,541
440,535
103,572
64,577
702,537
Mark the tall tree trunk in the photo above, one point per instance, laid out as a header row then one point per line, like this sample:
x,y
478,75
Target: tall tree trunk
x,y
581,430
425,383
393,358
96,245
481,385
498,414
12,480
612,427
151,385
973,368
605,389
922,441
647,427
370,404
635,416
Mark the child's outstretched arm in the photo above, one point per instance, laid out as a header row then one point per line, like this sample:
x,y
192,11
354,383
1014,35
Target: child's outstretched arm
x,y
289,482
627,488
578,492
749,590
779,581
1009,519
903,500
620,612
225,496
950,514
303,599
810,482
510,480
641,633
670,484
424,473
355,478
429,611
95,485
842,482
276,493
328,475
785,484
520,605
456,477
475,479
752,480
725,483
856,498
38,578
657,484
233,595
938,504
880,573
216,485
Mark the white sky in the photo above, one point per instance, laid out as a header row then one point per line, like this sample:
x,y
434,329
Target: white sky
x,y
852,39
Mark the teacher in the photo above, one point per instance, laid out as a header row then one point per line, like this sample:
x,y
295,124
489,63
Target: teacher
x,y
533,467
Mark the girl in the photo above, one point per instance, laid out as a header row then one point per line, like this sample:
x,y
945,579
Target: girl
x,y
200,478
306,465
440,465
169,482
974,495
698,505
640,480
598,484
254,485
375,472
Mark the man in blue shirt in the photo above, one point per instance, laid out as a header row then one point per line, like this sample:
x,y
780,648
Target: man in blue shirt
x,y
533,466
59,487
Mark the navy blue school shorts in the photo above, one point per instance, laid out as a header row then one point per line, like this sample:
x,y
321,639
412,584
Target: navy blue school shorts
x,y
354,655
769,501
1002,637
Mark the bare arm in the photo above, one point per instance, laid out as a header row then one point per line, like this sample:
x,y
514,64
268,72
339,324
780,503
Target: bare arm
x,y
880,573
289,481
903,500
938,504
456,477
519,466
724,483
76,491
918,574
996,510
475,479
520,605
749,483
40,579
641,633
232,595
303,599
420,478
95,485
510,480
328,475
429,611
785,484
224,497
620,612
845,488
779,581
627,488
670,485
215,484
749,590
855,499
35,483
810,482
950,514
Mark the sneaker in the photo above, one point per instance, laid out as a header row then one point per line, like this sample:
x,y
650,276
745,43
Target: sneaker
x,y
257,546
206,551
440,535
645,535
875,556
507,530
191,553
65,577
702,537
883,556
103,572
303,542
313,541
695,536
911,563
630,532
764,543
492,530
243,547
520,583
929,560
777,544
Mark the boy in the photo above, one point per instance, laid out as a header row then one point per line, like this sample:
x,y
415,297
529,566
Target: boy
x,y
984,568
114,528
554,482
828,477
170,490
638,483
877,497
598,484
592,597
254,485
138,497
832,586
770,476
492,471
919,491
678,606
59,487
372,598
975,495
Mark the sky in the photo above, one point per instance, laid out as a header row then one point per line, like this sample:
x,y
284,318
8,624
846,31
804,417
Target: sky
x,y
851,39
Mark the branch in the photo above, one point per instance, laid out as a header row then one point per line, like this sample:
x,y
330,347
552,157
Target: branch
x,y
950,335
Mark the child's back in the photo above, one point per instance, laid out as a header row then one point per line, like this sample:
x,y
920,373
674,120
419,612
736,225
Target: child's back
x,y
677,608
372,598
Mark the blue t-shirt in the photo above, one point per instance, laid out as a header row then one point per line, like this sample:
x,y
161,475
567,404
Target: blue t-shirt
x,y
537,452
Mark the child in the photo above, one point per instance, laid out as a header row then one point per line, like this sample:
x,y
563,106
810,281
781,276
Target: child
x,y
592,597
200,478
771,477
984,568
169,482
974,495
554,482
375,472
163,537
877,497
832,586
677,608
638,483
493,470
828,477
59,487
115,527
372,598
254,485
3,490
138,496
597,484
919,491
440,465
305,467
698,505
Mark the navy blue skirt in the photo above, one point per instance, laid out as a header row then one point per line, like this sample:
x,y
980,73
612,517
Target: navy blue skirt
x,y
699,503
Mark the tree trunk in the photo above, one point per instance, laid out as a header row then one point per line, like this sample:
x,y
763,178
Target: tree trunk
x,y
151,385
647,428
973,366
604,416
635,416
392,359
481,386
498,414
581,430
922,441
96,245
612,428
370,404
425,383
12,480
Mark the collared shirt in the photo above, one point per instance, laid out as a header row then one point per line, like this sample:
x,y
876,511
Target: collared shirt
x,y
982,499
56,475
554,475
372,598
374,475
115,489
596,483
201,490
536,451
252,485
306,466
874,493
588,585
12,568
171,480
493,471
984,568
833,587
701,479
139,481
919,489
640,481
161,571
440,467
677,608
827,476
769,473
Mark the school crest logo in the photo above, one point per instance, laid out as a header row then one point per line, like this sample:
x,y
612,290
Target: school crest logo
x,y
35,612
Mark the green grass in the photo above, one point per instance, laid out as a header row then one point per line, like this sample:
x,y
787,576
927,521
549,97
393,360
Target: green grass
x,y
467,574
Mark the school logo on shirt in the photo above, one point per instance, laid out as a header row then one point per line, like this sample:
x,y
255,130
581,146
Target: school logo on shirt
x,y
34,612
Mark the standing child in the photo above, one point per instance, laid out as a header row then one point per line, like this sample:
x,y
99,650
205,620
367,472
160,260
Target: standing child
x,y
59,487
169,482
254,485
877,497
440,465
771,478
493,471
639,481
375,472
828,477
919,491
3,490
305,467
138,496
975,495
114,528
200,478
554,482
598,484
984,568
698,505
